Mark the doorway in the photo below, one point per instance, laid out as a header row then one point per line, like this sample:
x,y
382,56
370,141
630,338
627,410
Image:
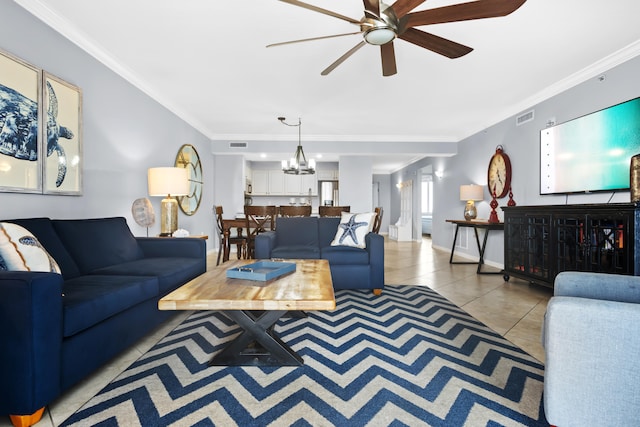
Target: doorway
x,y
426,200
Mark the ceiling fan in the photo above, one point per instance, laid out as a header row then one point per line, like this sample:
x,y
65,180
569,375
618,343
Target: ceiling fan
x,y
382,24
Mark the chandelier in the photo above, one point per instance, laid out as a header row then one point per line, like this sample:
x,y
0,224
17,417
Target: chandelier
x,y
298,164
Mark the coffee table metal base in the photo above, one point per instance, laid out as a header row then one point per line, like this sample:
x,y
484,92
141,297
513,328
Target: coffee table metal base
x,y
257,344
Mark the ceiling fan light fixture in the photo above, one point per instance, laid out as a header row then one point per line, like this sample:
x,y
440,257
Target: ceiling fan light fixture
x,y
382,23
379,35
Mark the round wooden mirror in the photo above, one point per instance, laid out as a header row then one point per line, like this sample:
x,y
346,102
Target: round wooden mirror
x,y
189,159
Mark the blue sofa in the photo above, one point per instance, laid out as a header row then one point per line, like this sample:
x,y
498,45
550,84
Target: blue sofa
x,y
592,344
57,329
310,238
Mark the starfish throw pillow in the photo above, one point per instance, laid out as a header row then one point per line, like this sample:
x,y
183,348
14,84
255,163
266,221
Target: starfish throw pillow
x,y
352,229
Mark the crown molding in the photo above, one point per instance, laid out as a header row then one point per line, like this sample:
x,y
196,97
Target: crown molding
x,y
619,57
332,138
84,42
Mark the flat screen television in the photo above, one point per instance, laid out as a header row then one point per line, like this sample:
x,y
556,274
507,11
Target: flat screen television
x,y
590,153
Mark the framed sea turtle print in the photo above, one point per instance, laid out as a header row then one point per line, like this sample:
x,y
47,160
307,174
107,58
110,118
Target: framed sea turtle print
x,y
61,136
20,114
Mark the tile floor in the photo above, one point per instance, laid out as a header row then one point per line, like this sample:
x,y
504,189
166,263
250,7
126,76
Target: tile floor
x,y
514,309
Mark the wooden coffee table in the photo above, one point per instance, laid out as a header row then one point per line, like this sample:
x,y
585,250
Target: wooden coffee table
x,y
256,307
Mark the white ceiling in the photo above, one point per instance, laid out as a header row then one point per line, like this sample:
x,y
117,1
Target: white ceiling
x,y
206,60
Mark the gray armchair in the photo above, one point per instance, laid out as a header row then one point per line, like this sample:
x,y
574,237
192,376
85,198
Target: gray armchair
x,y
591,337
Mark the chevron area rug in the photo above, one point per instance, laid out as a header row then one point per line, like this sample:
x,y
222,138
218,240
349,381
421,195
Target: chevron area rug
x,y
406,358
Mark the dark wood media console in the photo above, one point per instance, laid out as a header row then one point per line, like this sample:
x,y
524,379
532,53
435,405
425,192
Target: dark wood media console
x,y
542,241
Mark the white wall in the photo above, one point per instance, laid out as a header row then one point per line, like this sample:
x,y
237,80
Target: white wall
x,y
355,182
228,184
124,133
521,143
384,199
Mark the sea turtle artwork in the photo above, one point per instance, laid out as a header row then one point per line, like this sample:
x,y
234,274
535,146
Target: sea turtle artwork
x,y
19,128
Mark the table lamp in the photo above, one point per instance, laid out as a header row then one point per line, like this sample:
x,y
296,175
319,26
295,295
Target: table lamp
x,y
471,193
168,181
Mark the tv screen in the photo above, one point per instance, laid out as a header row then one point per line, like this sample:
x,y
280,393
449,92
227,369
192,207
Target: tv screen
x,y
590,153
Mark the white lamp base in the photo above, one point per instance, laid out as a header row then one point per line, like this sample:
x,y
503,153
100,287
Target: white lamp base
x,y
168,216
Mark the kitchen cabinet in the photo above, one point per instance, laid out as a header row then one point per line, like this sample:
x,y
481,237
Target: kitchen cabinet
x,y
299,185
327,175
260,183
291,185
277,183
309,182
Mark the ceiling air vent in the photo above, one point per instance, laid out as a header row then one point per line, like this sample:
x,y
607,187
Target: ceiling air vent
x,y
524,118
238,145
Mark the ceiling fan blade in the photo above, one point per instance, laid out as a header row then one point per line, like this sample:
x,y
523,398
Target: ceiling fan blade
x,y
372,6
312,38
321,10
340,60
464,11
388,55
402,7
434,43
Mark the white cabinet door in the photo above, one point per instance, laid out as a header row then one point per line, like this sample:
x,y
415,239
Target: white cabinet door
x,y
309,182
276,182
299,185
291,185
260,182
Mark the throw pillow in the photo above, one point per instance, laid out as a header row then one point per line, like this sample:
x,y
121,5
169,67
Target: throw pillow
x,y
21,251
353,228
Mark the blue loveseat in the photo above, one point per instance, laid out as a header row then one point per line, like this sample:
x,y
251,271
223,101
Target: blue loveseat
x,y
57,329
310,238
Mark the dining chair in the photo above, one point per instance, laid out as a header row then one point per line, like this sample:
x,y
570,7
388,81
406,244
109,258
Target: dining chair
x,y
294,210
377,222
333,210
259,219
228,237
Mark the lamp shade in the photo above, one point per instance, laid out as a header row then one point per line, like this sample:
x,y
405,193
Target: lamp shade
x,y
168,180
471,192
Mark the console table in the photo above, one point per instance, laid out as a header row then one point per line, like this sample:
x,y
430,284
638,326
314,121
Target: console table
x,y
542,241
486,226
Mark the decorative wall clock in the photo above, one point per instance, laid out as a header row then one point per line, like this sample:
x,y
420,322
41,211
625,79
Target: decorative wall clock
x,y
499,174
189,159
